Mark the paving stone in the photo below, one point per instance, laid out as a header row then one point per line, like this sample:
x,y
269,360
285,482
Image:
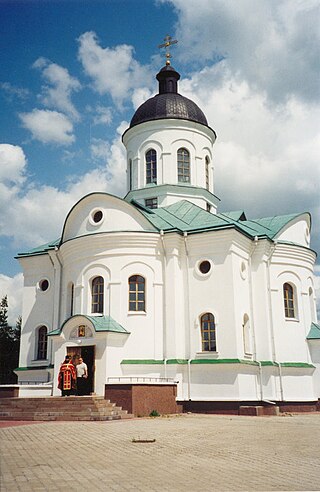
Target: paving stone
x,y
191,452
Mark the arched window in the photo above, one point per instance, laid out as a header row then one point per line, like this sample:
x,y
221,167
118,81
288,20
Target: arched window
x,y
137,293
42,343
207,172
247,337
183,159
97,295
208,333
130,174
151,166
288,298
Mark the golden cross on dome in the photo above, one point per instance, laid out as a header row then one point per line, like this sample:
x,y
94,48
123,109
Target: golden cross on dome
x,y
168,41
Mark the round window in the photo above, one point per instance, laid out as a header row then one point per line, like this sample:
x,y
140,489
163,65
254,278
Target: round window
x,y
44,285
205,266
97,216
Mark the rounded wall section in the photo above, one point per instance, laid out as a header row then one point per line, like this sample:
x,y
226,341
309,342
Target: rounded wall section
x,y
166,137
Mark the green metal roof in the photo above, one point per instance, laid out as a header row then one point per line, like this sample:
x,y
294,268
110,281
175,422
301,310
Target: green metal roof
x,y
100,324
314,333
40,250
184,216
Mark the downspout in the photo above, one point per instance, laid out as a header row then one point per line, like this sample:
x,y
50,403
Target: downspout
x,y
253,248
274,357
164,310
185,235
57,268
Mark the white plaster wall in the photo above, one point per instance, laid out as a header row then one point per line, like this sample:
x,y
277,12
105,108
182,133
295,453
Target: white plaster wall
x,y
166,137
297,231
118,215
37,307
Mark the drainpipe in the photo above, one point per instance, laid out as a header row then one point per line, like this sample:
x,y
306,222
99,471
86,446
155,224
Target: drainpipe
x,y
185,235
274,357
189,380
164,310
280,379
260,381
253,248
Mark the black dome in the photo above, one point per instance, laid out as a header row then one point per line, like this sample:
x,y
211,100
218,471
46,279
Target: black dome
x,y
168,103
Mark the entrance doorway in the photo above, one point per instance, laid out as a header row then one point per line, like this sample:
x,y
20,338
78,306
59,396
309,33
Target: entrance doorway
x,y
88,355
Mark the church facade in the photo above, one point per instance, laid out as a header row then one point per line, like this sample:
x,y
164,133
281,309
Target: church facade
x,y
159,288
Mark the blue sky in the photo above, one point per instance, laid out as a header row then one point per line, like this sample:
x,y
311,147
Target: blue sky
x,y
73,72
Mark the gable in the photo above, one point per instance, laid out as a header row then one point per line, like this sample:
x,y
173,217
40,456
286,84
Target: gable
x,y
99,213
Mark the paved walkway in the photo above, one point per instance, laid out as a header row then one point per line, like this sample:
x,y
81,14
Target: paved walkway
x,y
191,453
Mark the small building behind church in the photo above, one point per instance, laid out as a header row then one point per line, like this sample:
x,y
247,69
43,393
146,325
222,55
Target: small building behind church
x,y
163,295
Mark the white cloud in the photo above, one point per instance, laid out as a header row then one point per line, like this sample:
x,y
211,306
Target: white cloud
x,y
266,156
113,71
12,164
58,94
272,44
12,287
12,91
32,219
102,116
100,149
48,126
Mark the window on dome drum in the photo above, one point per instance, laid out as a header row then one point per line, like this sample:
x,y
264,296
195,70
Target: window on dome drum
x,y
130,174
42,343
136,293
151,166
288,298
97,295
208,333
183,158
207,172
151,202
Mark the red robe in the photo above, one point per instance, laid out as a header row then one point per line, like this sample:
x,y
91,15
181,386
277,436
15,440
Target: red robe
x,y
67,376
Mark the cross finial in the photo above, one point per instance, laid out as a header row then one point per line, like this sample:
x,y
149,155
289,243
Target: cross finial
x,y
168,41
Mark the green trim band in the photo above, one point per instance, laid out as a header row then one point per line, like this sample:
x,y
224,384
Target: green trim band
x,y
33,368
217,361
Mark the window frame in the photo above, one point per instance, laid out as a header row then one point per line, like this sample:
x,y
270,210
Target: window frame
x,y
211,329
97,289
138,305
151,166
183,165
289,300
207,174
42,343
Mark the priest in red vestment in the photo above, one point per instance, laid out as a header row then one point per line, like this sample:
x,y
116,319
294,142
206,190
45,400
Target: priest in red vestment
x,y
67,377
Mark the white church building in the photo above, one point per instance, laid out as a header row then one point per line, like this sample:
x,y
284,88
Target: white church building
x,y
160,290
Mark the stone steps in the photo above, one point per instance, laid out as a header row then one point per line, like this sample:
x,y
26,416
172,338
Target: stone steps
x,y
67,408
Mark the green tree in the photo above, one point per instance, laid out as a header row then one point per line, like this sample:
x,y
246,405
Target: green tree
x,y
9,345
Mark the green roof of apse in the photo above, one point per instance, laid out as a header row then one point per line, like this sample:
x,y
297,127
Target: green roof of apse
x,y
100,324
314,333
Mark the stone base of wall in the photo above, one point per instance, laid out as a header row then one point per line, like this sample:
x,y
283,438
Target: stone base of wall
x,y
142,399
9,391
248,408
